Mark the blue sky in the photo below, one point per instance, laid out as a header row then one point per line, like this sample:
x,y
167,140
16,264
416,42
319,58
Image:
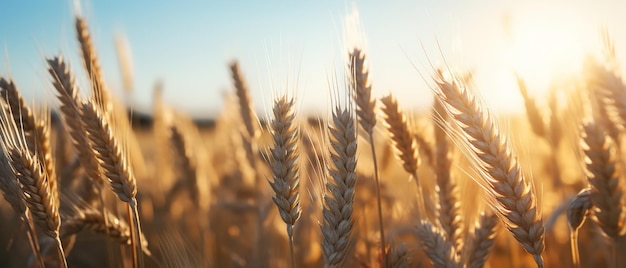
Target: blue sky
x,y
188,45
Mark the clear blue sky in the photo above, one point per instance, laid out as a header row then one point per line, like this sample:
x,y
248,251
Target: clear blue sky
x,y
188,44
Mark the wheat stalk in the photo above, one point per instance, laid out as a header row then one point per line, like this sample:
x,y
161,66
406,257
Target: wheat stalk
x,y
501,176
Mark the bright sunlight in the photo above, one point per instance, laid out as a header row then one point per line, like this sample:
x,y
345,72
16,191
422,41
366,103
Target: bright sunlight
x,y
541,45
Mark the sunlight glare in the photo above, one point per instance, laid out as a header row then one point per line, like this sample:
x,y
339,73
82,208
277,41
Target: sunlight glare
x,y
542,45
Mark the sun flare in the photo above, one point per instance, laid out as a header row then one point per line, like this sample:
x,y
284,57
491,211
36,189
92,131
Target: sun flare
x,y
541,45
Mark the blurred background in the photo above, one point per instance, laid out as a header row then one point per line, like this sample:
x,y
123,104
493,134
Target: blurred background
x,y
187,45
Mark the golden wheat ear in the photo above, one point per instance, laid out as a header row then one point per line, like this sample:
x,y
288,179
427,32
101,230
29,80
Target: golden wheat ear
x,y
405,144
481,241
115,166
94,221
91,63
33,179
437,247
35,127
245,103
449,210
508,190
70,107
604,177
337,227
285,165
535,117
361,90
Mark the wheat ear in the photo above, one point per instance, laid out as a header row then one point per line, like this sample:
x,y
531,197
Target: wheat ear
x,y
107,103
12,193
440,251
481,241
404,142
613,91
399,257
501,176
449,208
284,164
94,221
366,113
92,65
114,163
246,110
21,113
536,119
188,165
603,174
602,84
245,103
71,106
32,178
35,128
123,52
338,224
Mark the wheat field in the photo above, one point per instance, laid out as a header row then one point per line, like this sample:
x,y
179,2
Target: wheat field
x,y
370,184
